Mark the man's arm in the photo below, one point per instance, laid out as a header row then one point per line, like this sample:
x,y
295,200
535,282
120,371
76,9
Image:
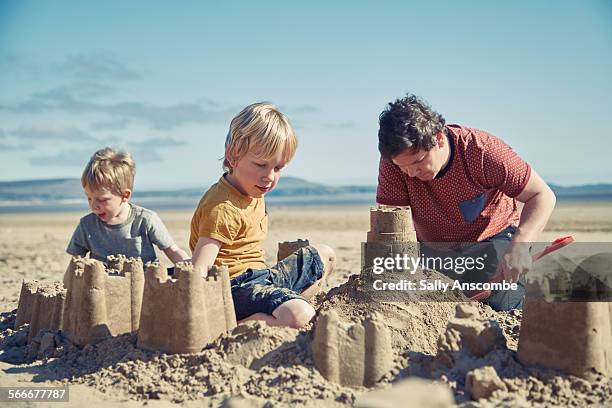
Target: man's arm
x,y
205,253
539,203
176,254
391,189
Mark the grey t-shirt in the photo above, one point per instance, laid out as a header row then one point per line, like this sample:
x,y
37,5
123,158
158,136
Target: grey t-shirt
x,y
134,238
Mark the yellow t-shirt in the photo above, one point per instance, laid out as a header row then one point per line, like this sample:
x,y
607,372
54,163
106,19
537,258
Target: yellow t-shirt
x,y
238,221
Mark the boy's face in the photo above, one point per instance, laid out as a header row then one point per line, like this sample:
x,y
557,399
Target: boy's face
x,y
255,177
108,206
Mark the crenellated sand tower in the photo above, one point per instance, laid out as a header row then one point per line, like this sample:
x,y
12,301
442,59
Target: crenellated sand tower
x,y
100,304
41,306
571,336
184,314
352,355
286,248
391,232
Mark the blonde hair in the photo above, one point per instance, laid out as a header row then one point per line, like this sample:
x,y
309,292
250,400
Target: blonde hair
x,y
262,129
111,170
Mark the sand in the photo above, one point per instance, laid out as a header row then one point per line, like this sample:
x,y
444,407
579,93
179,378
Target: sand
x,y
263,364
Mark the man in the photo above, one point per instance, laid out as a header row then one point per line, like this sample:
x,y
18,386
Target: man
x,y
463,185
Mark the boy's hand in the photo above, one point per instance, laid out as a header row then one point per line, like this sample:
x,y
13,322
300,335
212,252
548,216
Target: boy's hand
x,y
176,254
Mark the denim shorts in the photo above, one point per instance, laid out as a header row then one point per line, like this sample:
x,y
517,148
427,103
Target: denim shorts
x,y
263,290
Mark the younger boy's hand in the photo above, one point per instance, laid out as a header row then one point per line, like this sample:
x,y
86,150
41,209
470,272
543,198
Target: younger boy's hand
x,y
176,254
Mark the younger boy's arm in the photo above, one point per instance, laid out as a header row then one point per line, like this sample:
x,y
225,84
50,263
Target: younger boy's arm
x,y
205,253
176,254
160,236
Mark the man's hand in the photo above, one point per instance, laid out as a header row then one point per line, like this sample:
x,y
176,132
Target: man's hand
x,y
516,262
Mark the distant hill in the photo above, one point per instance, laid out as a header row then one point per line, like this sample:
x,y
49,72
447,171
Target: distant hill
x,y
45,190
602,191
68,190
290,189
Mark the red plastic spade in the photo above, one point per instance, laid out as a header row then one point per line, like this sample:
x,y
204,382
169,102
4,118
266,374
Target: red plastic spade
x,y
497,278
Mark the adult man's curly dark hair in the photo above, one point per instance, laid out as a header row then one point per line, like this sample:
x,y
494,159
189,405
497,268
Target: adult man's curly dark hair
x,y
408,123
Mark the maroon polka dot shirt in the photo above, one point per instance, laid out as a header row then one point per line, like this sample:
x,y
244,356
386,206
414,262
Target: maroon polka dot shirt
x,y
471,199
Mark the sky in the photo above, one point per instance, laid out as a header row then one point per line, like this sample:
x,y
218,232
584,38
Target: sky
x,y
164,79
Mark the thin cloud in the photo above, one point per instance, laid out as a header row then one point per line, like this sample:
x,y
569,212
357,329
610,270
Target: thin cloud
x,y
14,64
88,67
4,147
145,151
65,158
10,60
157,142
52,135
112,124
168,117
158,117
103,66
75,90
299,109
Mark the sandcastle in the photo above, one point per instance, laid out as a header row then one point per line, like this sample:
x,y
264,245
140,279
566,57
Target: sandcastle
x,y
286,248
92,307
171,315
184,314
352,355
391,232
101,304
391,259
41,306
574,336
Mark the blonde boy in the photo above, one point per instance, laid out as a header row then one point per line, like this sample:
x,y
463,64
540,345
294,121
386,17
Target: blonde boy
x,y
116,226
231,222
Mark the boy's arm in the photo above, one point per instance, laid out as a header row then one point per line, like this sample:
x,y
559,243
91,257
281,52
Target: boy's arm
x,y
175,254
78,245
160,236
205,253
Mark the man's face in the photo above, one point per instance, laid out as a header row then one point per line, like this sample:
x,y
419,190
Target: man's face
x,y
422,164
255,177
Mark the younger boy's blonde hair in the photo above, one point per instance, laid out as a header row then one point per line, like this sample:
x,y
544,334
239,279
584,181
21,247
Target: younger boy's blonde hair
x,y
111,170
262,129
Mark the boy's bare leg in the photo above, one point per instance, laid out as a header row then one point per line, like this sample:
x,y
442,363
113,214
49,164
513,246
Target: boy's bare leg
x,y
293,313
328,256
296,312
271,320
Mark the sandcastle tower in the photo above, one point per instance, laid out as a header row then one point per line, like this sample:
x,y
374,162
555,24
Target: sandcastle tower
x,y
391,232
574,336
40,305
99,304
352,355
286,248
184,314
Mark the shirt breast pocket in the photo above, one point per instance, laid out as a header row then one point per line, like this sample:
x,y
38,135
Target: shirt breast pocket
x,y
471,209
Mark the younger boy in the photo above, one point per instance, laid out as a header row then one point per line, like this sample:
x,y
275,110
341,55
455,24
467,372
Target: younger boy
x,y
116,226
231,222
